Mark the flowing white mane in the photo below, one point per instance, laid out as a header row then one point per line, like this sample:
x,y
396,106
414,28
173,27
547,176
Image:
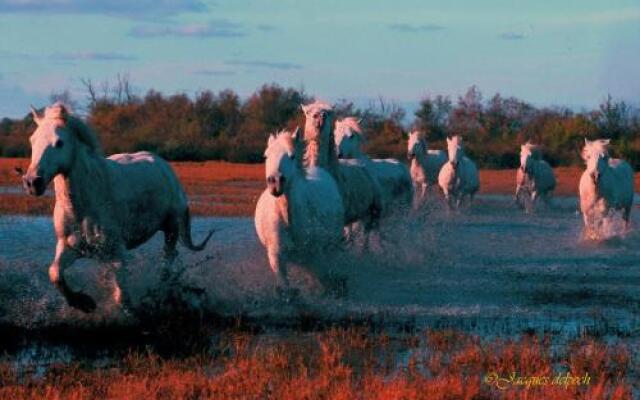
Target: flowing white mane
x,y
59,113
533,149
348,127
599,146
419,134
284,138
456,140
318,105
320,151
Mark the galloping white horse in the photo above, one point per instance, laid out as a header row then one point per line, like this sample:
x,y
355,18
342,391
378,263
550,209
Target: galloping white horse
x,y
360,190
605,185
459,176
534,178
425,164
300,212
103,206
393,176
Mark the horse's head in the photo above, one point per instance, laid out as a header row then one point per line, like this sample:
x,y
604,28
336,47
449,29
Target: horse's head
x,y
348,137
52,148
455,150
596,156
318,121
528,153
282,160
417,144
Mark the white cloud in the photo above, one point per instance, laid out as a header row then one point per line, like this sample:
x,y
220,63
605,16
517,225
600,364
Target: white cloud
x,y
408,28
282,65
216,28
92,56
511,36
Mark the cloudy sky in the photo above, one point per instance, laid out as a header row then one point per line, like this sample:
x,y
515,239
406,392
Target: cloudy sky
x,y
548,52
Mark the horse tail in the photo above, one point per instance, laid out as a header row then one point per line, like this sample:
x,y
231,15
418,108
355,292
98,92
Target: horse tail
x,y
185,233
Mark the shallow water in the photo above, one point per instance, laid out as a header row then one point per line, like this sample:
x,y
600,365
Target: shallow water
x,y
490,269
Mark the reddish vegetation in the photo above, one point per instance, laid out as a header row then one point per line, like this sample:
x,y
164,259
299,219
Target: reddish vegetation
x,y
341,364
228,189
214,188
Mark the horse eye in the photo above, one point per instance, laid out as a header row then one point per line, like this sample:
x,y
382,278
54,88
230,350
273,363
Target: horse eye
x,y
58,144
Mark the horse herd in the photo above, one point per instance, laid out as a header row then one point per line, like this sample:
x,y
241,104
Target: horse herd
x,y
321,189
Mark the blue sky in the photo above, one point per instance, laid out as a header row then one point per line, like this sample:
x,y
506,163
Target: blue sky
x,y
547,52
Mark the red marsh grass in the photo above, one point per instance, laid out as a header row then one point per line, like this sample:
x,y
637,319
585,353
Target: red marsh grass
x,y
341,363
218,188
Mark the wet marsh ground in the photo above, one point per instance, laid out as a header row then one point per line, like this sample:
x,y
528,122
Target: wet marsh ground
x,y
440,301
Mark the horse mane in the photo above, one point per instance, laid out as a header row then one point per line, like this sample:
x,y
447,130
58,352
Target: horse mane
x,y
312,154
600,144
534,149
285,139
422,135
348,126
291,143
456,140
320,105
60,114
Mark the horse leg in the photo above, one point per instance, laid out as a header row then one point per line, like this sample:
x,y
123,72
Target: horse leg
x,y
64,257
546,199
516,197
171,234
626,216
534,198
459,199
277,262
418,196
119,276
447,199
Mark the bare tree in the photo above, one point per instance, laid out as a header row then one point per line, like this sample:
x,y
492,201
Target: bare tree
x,y
121,92
92,97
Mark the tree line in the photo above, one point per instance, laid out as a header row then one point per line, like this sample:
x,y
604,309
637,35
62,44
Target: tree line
x,y
223,126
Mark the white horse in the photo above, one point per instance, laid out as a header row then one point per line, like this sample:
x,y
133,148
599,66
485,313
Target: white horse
x,y
360,190
393,176
103,206
459,176
425,164
605,185
534,178
300,213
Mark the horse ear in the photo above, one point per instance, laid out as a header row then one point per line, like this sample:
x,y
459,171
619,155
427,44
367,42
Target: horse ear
x,y
36,118
606,141
587,142
304,108
359,121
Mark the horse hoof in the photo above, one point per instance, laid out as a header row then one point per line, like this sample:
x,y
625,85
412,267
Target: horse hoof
x,y
82,302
